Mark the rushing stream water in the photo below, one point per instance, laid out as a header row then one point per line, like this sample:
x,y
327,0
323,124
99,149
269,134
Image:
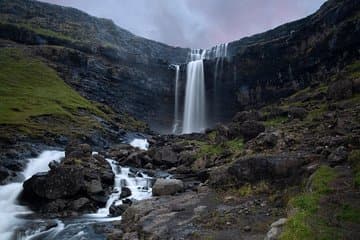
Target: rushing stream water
x,y
14,225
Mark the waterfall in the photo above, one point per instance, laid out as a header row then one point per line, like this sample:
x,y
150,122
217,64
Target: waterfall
x,y
219,52
195,104
10,208
194,112
176,109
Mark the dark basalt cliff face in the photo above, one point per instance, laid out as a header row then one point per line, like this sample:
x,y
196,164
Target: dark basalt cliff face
x,y
131,74
277,63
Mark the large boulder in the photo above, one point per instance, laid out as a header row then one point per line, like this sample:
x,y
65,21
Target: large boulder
x,y
266,167
247,116
81,183
165,156
248,130
167,187
63,182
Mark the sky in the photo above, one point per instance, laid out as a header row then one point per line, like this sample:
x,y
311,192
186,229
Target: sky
x,y
196,23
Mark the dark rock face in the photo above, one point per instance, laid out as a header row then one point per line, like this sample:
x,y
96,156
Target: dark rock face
x,y
81,183
307,51
61,183
262,167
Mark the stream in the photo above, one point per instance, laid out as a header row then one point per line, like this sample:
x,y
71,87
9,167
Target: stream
x,y
15,223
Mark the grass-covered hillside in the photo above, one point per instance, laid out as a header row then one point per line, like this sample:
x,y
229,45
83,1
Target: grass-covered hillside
x,y
30,89
35,101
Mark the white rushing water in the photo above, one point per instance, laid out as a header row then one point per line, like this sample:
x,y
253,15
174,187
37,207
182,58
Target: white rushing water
x,y
9,206
195,102
138,183
176,108
142,144
11,212
194,108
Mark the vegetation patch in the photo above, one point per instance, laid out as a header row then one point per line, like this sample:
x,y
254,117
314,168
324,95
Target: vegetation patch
x,y
317,113
31,92
354,159
248,190
353,70
350,214
306,223
275,122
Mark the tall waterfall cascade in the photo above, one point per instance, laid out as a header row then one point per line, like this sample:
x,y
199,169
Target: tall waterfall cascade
x,y
194,108
176,108
194,119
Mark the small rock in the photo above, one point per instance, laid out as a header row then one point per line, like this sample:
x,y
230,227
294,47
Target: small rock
x,y
199,210
247,228
338,156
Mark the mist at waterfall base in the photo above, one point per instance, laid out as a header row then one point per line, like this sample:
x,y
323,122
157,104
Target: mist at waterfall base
x,y
194,115
14,225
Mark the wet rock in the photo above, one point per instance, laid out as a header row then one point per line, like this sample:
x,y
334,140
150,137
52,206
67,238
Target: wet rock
x,y
80,203
55,206
13,165
338,156
78,151
83,181
94,186
4,173
125,192
167,187
54,165
340,89
116,211
60,183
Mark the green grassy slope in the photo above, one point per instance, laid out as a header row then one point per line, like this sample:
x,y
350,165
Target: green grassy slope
x,y
29,89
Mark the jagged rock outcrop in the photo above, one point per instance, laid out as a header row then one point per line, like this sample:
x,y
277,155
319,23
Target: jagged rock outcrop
x,y
81,183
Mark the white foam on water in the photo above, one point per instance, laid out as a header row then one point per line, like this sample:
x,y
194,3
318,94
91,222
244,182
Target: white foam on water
x,y
142,144
140,187
9,206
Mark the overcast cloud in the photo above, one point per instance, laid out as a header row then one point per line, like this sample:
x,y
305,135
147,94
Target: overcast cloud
x,y
196,23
